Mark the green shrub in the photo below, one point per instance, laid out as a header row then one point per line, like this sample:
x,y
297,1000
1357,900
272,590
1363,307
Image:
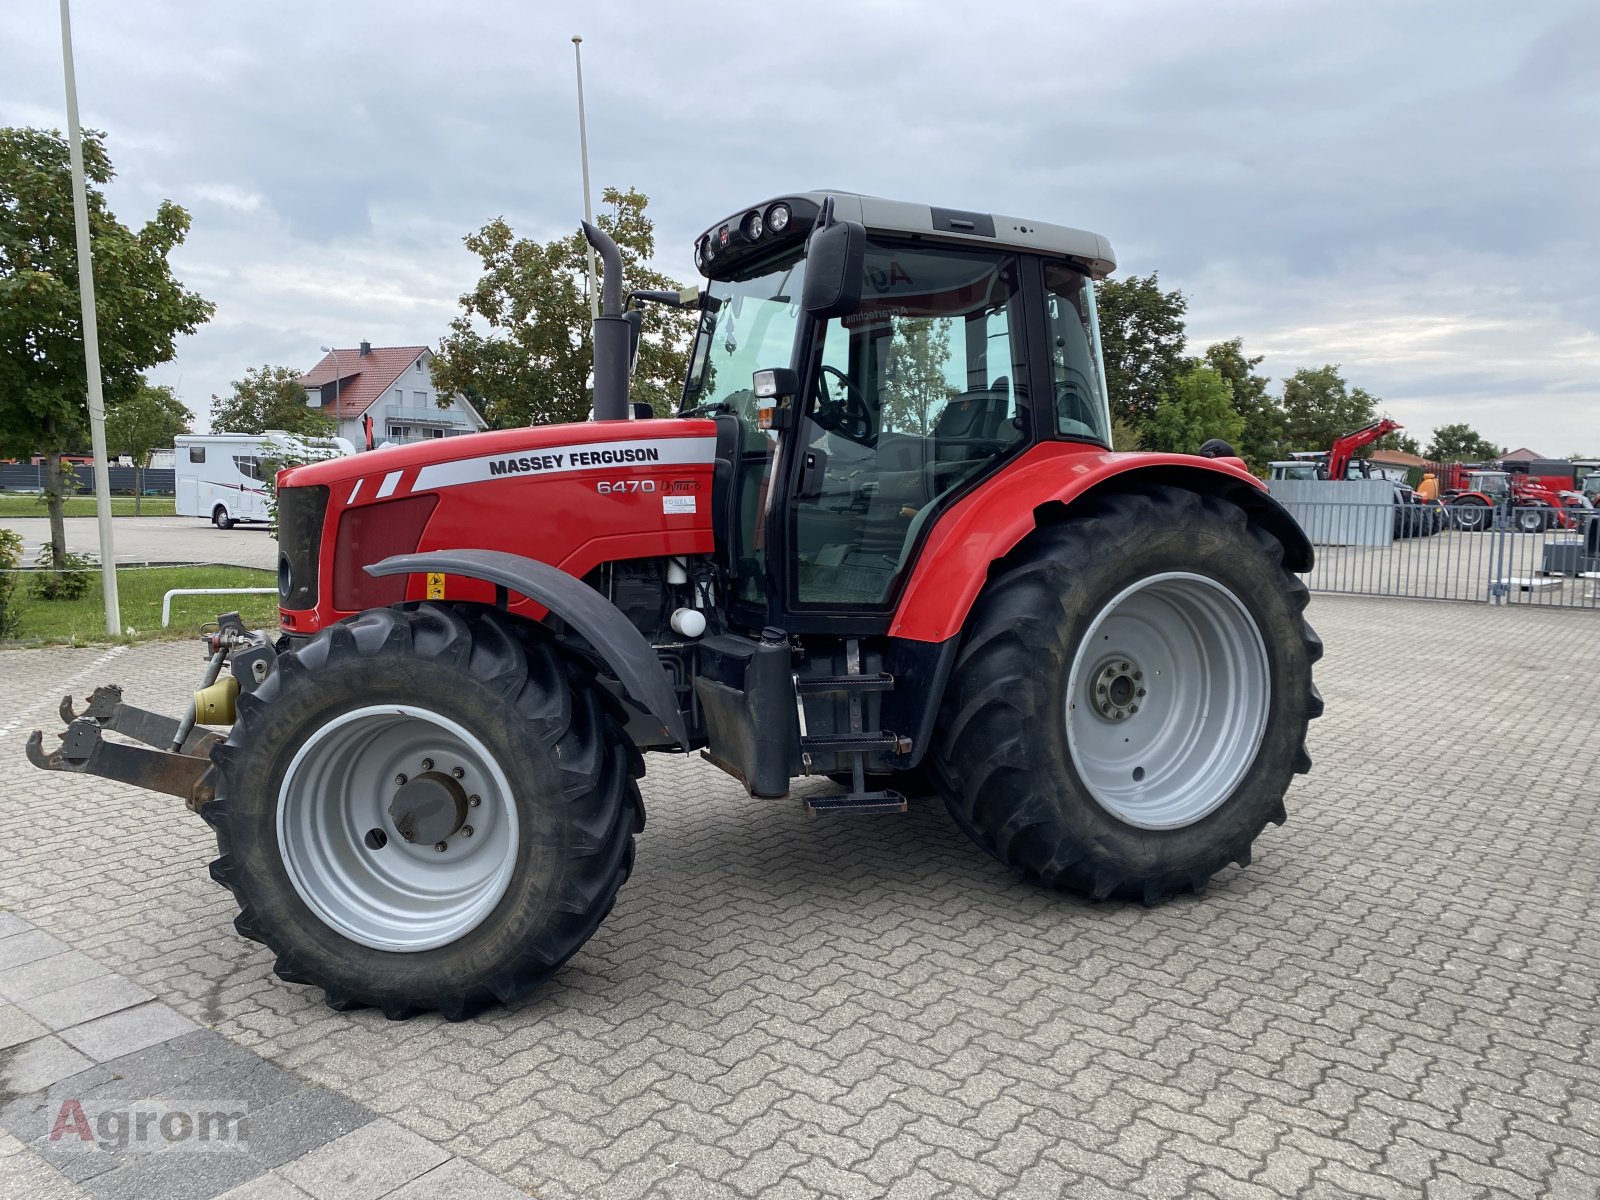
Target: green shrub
x,y
10,561
72,582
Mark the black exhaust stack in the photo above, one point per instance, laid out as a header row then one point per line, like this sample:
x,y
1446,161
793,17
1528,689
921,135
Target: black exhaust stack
x,y
613,349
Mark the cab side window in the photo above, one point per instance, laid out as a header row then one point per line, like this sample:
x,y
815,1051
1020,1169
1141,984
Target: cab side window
x,y
920,392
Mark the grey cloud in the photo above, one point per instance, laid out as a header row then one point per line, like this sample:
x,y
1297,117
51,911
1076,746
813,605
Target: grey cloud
x,y
1318,177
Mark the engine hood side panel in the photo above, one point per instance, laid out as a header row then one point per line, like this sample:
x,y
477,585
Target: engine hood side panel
x,y
572,496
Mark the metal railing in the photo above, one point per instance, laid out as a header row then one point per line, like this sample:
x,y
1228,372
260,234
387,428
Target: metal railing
x,y
1509,555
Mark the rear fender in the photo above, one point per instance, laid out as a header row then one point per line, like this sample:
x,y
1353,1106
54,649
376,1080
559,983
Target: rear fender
x,y
611,635
1048,484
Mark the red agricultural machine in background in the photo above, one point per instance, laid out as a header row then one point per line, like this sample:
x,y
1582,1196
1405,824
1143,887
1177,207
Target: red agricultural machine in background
x,y
884,540
1414,516
1480,496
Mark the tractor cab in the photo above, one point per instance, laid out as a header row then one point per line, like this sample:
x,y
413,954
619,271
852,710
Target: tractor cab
x,y
905,354
1490,483
1302,466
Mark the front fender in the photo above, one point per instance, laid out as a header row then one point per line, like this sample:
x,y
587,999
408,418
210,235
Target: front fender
x,y
1044,485
595,618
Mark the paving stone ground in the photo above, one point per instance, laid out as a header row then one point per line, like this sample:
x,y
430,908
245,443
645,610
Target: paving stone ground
x,y
1398,998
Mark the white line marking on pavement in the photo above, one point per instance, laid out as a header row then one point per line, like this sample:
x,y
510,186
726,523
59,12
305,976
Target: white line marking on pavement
x,y
68,684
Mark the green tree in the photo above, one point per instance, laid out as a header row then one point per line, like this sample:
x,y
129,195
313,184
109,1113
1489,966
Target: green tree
x,y
1197,406
1319,406
1460,443
146,421
1401,441
139,306
916,386
266,398
531,363
1141,334
1261,441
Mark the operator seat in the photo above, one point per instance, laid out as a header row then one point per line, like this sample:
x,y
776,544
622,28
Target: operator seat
x,y
972,424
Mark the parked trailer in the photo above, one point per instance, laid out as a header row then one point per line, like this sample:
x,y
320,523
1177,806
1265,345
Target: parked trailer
x,y
223,476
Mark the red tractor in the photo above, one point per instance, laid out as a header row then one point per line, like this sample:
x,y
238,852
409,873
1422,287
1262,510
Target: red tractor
x,y
1479,496
884,540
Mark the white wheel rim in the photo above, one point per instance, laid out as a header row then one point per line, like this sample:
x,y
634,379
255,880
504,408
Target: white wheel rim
x,y
1167,700
399,895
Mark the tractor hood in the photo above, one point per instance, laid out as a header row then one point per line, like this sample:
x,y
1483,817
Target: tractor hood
x,y
571,496
547,449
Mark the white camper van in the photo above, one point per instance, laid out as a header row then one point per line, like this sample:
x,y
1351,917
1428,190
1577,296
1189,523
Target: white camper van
x,y
223,476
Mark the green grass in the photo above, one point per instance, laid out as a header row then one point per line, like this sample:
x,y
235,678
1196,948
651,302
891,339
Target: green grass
x,y
23,504
83,622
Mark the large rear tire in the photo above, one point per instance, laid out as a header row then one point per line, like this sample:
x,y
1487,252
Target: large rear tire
x,y
422,810
1130,701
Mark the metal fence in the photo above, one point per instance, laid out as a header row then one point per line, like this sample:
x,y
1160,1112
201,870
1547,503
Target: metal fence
x,y
30,477
1530,556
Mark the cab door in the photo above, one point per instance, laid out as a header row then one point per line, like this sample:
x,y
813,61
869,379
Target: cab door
x,y
915,396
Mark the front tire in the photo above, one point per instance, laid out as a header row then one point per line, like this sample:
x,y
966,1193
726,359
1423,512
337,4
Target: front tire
x,y
1131,697
220,518
420,810
1473,516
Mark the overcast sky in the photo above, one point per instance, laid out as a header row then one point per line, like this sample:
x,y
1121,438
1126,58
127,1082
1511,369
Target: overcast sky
x,y
1408,189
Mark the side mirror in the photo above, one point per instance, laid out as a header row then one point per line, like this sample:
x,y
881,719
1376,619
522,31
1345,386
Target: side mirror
x,y
635,320
835,258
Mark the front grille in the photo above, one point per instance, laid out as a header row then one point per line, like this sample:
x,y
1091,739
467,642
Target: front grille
x,y
300,514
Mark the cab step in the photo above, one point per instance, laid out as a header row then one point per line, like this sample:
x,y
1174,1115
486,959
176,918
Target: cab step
x,y
856,802
845,742
882,681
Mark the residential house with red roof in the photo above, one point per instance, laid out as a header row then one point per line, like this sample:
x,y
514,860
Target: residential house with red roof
x,y
394,386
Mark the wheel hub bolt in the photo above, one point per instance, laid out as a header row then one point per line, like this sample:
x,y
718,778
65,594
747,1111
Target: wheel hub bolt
x,y
441,847
474,801
466,831
1117,689
456,772
427,764
399,781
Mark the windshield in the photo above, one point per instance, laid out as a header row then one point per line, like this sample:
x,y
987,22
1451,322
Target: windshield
x,y
747,326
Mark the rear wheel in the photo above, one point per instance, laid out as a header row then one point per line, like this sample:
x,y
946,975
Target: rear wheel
x,y
421,810
1130,700
220,518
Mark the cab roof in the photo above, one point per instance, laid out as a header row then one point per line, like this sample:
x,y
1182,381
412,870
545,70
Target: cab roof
x,y
1091,252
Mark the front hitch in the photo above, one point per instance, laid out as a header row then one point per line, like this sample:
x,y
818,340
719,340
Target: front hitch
x,y
175,756
84,750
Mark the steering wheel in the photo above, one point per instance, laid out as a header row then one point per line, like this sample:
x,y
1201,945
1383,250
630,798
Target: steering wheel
x,y
847,416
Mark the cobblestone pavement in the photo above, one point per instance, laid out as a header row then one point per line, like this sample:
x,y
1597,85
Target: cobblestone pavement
x,y
1397,999
156,540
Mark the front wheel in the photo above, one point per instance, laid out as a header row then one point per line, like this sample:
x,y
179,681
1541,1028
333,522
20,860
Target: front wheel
x,y
220,518
1131,697
1532,520
1472,516
423,809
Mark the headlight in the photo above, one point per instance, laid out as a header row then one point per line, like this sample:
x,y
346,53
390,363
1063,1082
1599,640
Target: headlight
x,y
778,218
752,226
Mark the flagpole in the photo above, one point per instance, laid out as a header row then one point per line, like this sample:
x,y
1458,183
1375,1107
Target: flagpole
x,y
583,150
91,338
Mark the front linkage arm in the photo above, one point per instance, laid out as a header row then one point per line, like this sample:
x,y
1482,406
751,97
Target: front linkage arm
x,y
175,757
